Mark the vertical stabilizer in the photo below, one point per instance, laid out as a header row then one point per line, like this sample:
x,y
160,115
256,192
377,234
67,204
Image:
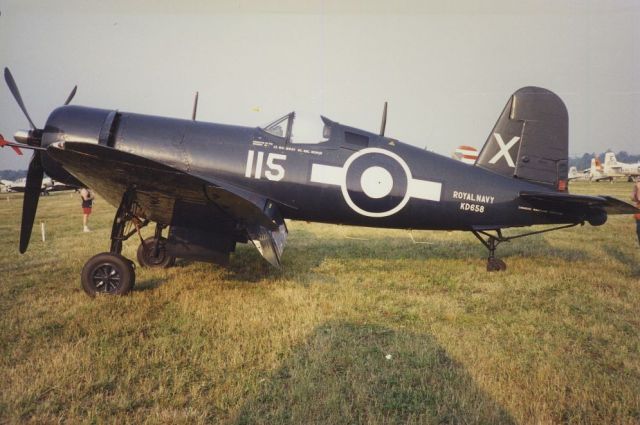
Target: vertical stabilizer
x,y
610,162
530,140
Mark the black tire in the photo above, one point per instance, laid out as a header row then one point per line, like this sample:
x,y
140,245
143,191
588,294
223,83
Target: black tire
x,y
108,274
147,259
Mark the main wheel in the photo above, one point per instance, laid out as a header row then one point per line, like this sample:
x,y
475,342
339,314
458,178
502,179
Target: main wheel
x,y
146,254
109,274
496,265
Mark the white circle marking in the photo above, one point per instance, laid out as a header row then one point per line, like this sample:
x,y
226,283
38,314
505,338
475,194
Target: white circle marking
x,y
376,182
345,192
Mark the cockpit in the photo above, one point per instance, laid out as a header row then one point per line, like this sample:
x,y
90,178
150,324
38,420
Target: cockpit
x,y
307,130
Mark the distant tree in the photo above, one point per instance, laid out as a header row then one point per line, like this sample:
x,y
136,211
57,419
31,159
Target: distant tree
x,y
12,174
581,162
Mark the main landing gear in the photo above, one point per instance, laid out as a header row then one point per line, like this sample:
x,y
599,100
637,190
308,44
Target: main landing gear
x,y
108,273
491,242
111,273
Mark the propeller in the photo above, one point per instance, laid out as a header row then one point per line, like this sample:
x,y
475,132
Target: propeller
x,y
32,191
35,173
13,88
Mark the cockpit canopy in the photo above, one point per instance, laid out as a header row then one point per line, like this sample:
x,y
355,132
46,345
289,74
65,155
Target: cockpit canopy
x,y
307,129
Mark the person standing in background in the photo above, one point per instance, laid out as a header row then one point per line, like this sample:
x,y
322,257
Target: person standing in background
x,y
87,204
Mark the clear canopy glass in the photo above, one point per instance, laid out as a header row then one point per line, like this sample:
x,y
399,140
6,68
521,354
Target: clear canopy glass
x,y
299,128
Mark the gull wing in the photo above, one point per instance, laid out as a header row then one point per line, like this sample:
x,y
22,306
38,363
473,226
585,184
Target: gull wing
x,y
158,187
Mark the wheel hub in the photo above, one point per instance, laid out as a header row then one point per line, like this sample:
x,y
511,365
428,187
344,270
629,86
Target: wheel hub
x,y
106,278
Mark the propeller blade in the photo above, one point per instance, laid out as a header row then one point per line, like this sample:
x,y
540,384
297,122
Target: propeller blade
x,y
31,197
13,88
71,95
383,126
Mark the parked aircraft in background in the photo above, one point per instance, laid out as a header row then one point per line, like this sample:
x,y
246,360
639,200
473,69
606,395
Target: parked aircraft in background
x,y
597,172
51,185
47,186
20,185
5,185
613,168
216,185
574,174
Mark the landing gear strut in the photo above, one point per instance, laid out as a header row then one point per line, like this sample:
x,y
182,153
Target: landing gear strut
x,y
109,272
491,242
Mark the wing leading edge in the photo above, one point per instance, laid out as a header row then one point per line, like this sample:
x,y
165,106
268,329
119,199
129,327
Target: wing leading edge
x,y
111,172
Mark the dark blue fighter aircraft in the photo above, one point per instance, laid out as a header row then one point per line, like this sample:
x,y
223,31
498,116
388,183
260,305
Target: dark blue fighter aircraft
x,y
214,185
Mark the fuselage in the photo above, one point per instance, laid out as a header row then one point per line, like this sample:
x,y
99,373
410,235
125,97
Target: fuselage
x,y
354,177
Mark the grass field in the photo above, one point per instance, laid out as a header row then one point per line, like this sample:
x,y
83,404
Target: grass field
x,y
361,326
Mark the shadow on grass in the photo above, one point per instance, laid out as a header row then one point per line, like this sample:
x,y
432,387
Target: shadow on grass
x,y
302,256
628,259
353,373
149,284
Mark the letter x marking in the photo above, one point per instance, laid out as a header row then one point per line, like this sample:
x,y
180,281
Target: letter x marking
x,y
504,150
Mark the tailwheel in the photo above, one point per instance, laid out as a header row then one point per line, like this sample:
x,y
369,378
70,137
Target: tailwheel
x,y
109,274
152,252
496,265
491,242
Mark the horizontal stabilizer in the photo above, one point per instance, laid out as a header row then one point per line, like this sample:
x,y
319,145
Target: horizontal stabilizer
x,y
559,200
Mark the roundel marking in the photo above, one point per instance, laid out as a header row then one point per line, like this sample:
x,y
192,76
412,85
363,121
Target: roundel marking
x,y
357,193
376,182
403,175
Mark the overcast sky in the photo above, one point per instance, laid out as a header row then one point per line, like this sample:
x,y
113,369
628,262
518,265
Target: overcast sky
x,y
446,68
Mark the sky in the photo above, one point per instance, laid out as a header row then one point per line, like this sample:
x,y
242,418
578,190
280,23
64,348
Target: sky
x,y
446,68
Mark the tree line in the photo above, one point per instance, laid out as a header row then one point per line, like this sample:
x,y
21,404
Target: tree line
x,y
12,174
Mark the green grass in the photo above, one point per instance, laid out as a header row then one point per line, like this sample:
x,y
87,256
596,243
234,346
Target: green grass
x,y
554,339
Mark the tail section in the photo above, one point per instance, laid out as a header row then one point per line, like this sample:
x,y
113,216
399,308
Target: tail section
x,y
573,173
597,171
610,161
594,167
530,140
